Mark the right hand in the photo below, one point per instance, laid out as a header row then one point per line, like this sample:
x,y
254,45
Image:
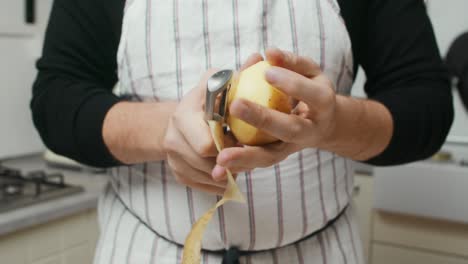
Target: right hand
x,y
191,151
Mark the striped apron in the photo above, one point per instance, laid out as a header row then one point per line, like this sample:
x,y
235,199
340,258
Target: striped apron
x,y
166,46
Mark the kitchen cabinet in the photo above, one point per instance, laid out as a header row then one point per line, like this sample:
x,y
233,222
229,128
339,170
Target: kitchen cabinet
x,y
66,241
435,190
416,232
390,238
362,201
17,74
20,47
388,254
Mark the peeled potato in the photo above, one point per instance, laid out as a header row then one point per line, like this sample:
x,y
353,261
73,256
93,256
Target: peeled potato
x,y
252,86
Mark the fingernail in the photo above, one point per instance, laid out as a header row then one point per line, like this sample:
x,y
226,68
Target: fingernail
x,y
222,159
218,173
273,75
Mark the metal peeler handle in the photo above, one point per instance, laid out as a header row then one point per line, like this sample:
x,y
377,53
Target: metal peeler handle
x,y
217,84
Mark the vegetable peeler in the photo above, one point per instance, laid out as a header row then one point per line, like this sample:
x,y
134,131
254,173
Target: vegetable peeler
x,y
218,85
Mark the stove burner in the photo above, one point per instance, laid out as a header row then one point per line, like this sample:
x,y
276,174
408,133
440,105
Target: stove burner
x,y
13,189
18,190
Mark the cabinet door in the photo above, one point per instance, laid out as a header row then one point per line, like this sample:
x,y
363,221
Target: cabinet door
x,y
13,17
17,72
362,201
417,232
386,254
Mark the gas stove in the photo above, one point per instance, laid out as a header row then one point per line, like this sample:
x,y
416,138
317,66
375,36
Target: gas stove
x,y
18,190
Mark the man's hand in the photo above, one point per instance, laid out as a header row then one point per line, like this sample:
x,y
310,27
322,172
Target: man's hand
x,y
188,143
321,119
191,151
311,121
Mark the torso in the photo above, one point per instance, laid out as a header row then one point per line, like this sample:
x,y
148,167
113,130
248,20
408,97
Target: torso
x,y
165,47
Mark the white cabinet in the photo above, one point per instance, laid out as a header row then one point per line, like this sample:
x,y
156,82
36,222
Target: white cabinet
x,y
427,189
419,233
388,254
390,238
65,241
362,202
17,73
20,47
14,16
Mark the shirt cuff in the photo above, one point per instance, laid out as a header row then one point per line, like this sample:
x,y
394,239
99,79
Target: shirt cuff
x,y
88,129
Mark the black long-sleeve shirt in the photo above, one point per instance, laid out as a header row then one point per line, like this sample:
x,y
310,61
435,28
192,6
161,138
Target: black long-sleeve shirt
x,y
393,41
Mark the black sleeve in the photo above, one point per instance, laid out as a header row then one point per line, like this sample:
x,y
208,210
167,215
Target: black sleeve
x,y
395,44
76,73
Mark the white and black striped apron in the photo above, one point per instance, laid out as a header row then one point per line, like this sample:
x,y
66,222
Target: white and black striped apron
x,y
166,46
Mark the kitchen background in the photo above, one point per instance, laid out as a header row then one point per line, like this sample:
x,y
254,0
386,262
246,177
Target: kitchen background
x,y
408,214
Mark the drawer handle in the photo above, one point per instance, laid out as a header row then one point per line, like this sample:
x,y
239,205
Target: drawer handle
x,y
30,11
356,190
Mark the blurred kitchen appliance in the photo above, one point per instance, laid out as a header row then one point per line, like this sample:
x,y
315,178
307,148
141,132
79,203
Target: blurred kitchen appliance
x,y
58,161
18,190
434,188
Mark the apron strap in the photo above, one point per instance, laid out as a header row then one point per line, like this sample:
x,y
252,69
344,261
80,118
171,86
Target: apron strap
x,y
231,255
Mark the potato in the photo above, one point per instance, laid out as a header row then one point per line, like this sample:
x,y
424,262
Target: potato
x,y
252,86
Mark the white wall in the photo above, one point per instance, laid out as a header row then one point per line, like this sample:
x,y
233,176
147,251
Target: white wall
x,y
449,19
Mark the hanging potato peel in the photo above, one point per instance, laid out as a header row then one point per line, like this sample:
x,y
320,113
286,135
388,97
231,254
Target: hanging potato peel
x,y
250,85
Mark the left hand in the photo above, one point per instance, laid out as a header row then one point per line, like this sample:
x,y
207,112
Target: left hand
x,y
311,123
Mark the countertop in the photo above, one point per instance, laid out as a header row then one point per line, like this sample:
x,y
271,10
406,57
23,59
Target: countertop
x,y
93,184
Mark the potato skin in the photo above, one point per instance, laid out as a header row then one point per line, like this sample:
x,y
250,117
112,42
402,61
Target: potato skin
x,y
263,94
